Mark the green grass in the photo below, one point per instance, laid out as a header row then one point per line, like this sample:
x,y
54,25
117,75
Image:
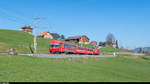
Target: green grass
x,y
110,50
35,69
20,41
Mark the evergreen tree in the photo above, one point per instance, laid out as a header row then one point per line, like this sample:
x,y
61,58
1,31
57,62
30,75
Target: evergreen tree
x,y
62,37
56,36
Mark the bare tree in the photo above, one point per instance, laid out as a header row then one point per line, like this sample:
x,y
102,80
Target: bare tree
x,y
110,38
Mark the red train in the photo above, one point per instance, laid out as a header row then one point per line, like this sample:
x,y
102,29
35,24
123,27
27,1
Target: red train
x,y
62,47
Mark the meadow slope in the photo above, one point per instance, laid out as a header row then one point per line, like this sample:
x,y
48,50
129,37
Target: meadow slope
x,y
21,42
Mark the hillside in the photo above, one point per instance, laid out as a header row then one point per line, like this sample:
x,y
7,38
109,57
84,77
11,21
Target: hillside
x,y
35,69
21,41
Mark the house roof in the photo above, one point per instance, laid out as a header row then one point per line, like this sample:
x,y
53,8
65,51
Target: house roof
x,y
106,42
93,42
73,37
43,33
103,42
26,27
86,36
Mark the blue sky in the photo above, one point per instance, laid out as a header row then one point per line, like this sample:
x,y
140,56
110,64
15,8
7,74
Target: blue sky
x,y
128,20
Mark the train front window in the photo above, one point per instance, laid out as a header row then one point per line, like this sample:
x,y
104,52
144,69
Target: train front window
x,y
54,45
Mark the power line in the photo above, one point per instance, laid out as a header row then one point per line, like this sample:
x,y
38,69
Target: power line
x,y
9,18
12,18
16,13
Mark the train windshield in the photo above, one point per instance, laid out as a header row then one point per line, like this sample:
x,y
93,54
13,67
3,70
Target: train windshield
x,y
54,45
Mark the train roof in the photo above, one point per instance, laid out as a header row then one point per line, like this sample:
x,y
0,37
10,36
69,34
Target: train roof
x,y
57,41
54,41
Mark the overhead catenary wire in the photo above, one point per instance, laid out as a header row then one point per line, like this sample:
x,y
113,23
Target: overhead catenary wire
x,y
17,14
6,15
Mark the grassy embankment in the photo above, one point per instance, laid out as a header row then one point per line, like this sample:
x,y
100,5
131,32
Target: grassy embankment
x,y
21,41
35,69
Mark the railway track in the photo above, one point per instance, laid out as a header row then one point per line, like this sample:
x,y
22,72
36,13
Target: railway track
x,y
65,56
71,55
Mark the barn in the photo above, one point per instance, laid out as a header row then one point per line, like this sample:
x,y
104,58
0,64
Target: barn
x,y
78,39
113,44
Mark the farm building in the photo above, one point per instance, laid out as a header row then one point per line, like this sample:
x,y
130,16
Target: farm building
x,y
27,28
104,44
78,39
46,35
94,43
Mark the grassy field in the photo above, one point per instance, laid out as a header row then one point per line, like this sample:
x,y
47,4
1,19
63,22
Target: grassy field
x,y
35,69
110,50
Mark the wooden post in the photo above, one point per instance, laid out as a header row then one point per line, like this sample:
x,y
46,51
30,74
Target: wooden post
x,y
12,51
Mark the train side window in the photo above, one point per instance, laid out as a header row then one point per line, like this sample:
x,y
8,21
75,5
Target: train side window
x,y
60,45
68,46
80,48
54,45
71,46
51,45
65,46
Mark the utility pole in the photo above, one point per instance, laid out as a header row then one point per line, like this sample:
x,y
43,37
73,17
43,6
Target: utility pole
x,y
35,43
35,27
